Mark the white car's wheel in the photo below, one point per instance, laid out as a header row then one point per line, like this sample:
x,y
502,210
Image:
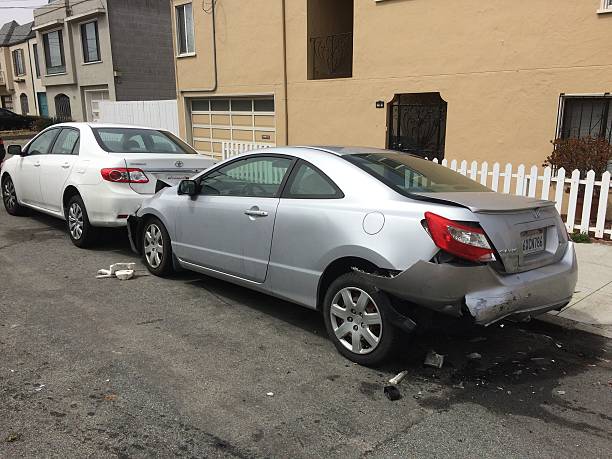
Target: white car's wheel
x,y
9,197
82,234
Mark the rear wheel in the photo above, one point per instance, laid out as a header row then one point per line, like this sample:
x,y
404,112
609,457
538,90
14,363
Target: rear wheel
x,y
9,197
82,234
156,248
357,318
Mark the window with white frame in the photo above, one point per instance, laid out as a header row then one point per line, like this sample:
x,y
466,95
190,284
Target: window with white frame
x,y
606,6
18,63
184,29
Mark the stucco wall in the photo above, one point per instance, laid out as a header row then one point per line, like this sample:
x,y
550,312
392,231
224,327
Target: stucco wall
x,y
500,69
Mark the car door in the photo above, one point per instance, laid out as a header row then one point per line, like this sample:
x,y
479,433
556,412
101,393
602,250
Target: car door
x,y
29,166
228,226
56,168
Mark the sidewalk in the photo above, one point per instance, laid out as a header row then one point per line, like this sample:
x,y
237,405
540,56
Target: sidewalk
x,y
591,307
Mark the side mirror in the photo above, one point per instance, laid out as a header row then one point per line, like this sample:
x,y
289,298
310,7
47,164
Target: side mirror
x,y
188,187
15,150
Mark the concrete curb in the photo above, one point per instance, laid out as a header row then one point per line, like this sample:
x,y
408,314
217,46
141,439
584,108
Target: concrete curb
x,y
601,330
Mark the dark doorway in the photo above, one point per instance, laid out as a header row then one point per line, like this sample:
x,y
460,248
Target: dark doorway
x,y
417,124
62,108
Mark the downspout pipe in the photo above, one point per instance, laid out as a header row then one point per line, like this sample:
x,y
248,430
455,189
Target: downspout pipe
x,y
284,19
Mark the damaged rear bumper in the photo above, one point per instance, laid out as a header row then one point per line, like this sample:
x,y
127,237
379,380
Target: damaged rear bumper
x,y
487,295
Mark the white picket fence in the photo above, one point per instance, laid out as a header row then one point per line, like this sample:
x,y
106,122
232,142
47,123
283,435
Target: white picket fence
x,y
158,114
534,181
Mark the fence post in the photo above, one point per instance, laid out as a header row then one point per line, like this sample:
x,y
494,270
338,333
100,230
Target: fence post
x,y
495,178
573,199
603,205
484,173
546,183
585,218
520,180
463,168
473,170
453,165
559,189
533,181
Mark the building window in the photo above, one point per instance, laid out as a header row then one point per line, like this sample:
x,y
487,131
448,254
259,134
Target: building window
x,y
25,106
583,117
54,52
184,29
7,102
36,61
91,42
18,63
606,6
62,108
330,39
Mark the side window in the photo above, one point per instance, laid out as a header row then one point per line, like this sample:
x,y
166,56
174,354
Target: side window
x,y
307,182
40,145
66,142
260,176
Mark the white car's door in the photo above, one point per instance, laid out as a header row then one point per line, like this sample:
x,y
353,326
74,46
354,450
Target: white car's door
x,y
57,166
29,167
229,226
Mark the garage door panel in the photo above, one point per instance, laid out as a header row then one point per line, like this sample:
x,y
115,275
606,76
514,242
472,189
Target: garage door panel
x,y
264,121
243,135
223,134
201,132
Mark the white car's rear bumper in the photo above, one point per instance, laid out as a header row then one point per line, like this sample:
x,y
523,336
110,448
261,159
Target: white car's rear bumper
x,y
110,204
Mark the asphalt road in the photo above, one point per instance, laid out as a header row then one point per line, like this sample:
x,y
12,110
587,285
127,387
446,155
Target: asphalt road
x,y
182,366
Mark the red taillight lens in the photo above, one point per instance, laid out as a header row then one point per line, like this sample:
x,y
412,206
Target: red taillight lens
x,y
124,175
464,241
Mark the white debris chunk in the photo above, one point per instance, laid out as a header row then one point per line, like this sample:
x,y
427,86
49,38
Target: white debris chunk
x,y
398,377
122,267
124,274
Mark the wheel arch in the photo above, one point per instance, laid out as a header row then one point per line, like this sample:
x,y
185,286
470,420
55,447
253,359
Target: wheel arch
x,y
69,192
342,266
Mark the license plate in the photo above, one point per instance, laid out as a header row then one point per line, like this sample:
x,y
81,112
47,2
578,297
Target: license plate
x,y
532,241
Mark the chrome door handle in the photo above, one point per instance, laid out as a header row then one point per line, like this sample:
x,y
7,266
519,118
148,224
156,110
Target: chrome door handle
x,y
36,164
256,213
65,165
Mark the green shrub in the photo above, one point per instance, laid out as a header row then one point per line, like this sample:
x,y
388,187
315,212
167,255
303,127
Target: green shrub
x,y
41,123
580,238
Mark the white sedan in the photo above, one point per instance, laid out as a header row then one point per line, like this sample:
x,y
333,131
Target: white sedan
x,y
94,175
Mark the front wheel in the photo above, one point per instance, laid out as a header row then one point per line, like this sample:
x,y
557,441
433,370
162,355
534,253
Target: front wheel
x,y
357,318
9,197
156,248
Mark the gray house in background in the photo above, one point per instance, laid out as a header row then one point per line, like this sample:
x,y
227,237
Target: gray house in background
x,y
93,50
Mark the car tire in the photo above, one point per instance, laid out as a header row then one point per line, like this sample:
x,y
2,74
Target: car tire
x,y
156,247
9,197
81,233
361,330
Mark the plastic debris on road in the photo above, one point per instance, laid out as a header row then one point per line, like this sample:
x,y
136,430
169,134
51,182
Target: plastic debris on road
x,y
433,359
270,394
398,377
392,393
121,271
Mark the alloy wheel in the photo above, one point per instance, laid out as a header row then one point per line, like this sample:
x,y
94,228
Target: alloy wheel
x,y
153,245
75,220
8,194
356,320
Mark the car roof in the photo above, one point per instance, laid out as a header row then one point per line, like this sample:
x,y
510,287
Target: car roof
x,y
104,125
347,150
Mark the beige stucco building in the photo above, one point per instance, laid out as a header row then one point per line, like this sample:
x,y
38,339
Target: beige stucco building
x,y
474,80
20,85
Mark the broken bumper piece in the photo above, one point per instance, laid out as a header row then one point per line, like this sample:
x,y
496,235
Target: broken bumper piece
x,y
489,296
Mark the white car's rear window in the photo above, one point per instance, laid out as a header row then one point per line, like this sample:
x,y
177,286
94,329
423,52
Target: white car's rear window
x,y
132,140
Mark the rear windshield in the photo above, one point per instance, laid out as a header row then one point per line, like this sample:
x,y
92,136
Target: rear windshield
x,y
130,140
409,174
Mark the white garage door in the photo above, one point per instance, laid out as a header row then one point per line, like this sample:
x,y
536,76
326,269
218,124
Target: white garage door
x,y
243,119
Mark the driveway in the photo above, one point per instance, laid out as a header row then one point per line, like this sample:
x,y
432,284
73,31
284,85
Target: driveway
x,y
183,366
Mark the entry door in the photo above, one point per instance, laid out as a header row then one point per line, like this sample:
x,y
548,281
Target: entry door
x,y
43,106
30,167
92,102
56,168
229,226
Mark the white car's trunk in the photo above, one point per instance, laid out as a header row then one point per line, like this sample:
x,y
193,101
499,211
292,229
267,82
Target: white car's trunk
x,y
527,233
164,169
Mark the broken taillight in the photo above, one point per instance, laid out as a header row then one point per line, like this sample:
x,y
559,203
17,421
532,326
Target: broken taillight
x,y
124,175
459,239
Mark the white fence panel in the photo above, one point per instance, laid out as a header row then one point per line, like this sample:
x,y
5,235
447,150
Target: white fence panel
x,y
231,148
158,114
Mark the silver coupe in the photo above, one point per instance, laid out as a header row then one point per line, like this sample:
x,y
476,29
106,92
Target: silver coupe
x,y
367,236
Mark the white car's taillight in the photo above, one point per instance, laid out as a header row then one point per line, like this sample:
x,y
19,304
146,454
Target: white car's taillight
x,y
124,175
461,240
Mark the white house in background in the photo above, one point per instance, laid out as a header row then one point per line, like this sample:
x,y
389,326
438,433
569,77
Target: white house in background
x,y
21,88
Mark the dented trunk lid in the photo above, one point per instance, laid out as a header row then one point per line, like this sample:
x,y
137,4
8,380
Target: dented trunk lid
x,y
164,170
526,233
